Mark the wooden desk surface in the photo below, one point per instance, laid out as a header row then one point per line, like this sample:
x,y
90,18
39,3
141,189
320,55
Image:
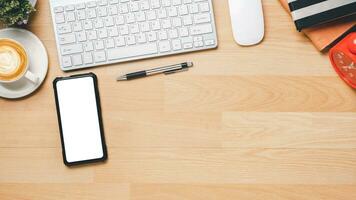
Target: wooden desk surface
x,y
266,122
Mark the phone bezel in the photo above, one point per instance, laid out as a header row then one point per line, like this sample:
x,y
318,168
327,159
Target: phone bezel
x,y
97,97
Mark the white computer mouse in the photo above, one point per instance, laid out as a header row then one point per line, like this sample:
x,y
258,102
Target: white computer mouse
x,y
247,21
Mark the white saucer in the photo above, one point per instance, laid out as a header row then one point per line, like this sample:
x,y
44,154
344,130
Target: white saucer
x,y
38,64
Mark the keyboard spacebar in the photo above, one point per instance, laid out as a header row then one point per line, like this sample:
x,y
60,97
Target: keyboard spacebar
x,y
132,51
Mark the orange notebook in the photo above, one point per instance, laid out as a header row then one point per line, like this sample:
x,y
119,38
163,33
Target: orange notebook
x,y
325,36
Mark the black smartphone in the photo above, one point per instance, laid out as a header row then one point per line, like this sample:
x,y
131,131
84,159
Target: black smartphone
x,y
79,118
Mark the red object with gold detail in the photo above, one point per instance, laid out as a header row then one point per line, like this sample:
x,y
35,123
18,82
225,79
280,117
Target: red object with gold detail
x,y
343,58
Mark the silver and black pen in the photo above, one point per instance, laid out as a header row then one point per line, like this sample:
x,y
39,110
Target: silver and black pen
x,y
159,70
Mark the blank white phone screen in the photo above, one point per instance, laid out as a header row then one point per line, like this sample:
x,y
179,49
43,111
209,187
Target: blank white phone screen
x,y
79,118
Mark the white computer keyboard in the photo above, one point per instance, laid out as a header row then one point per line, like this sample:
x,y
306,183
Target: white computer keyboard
x,y
93,33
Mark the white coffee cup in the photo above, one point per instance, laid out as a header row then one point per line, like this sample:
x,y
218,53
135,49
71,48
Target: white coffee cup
x,y
14,62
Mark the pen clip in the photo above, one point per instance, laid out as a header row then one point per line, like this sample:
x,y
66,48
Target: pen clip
x,y
175,71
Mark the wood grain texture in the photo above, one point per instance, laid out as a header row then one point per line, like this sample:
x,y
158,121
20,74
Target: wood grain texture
x,y
271,121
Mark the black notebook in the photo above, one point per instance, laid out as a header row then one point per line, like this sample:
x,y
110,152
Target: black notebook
x,y
308,13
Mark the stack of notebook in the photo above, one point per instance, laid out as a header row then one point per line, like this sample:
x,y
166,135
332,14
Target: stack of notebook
x,y
326,35
308,13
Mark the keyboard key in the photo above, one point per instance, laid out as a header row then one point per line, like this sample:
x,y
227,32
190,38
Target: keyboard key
x,y
187,20
188,45
162,13
88,46
99,56
91,13
65,28
155,4
77,26
134,28
113,32
77,59
123,9
131,40
176,2
162,35
66,61
88,25
88,58
164,46
120,41
59,18
177,45
198,44
145,27
113,10
124,30
201,29
176,22
92,35
173,33
132,51
103,33
103,3
102,12
72,49
110,43
109,21
141,38
209,42
119,20
81,36
80,6
183,10
145,5
99,45
193,8
204,7
69,7
172,11
70,16
202,18
58,9
66,39
113,1
183,32
134,6
152,36
91,4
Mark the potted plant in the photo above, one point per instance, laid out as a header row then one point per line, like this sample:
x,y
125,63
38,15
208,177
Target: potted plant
x,y
16,12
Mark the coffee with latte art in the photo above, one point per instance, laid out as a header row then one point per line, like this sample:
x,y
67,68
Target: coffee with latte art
x,y
13,60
